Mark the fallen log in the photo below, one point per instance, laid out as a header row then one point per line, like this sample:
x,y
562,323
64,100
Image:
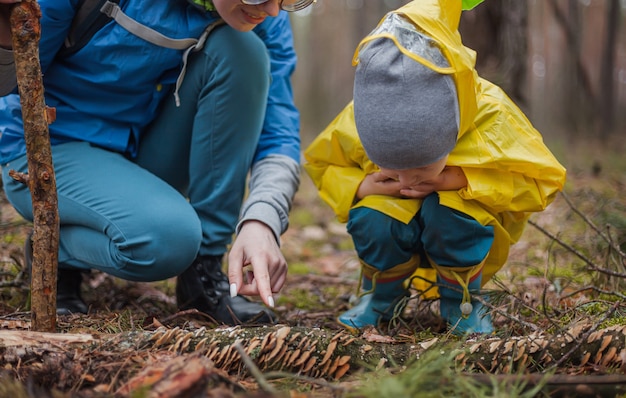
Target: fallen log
x,y
67,360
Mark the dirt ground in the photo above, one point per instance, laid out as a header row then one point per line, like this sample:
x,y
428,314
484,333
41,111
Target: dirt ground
x,y
540,288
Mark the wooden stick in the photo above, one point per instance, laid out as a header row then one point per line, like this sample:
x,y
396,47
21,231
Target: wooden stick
x,y
26,33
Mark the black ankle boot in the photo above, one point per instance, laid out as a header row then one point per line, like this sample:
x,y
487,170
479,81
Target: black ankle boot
x,y
205,287
69,300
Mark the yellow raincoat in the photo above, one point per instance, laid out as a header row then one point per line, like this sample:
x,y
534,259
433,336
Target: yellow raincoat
x,y
510,172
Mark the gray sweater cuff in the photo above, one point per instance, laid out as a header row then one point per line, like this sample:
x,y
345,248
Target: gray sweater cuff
x,y
7,72
265,213
274,181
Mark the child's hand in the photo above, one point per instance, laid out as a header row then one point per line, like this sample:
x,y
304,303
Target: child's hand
x,y
451,178
420,191
379,184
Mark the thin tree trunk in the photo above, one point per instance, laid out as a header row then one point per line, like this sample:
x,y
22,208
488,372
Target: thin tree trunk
x,y
580,96
26,33
606,102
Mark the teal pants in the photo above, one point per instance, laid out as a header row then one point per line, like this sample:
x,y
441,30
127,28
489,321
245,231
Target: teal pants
x,y
449,237
146,219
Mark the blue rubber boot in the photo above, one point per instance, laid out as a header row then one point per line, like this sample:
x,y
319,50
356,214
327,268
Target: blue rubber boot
x,y
384,291
462,314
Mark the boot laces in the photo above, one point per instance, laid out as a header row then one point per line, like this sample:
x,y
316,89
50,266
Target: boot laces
x,y
214,281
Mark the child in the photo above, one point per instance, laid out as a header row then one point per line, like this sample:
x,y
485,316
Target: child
x,y
431,166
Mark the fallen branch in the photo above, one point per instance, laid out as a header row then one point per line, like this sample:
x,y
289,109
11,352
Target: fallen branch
x,y
64,361
25,33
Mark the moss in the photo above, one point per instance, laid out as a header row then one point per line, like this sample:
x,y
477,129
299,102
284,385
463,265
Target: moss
x,y
345,244
594,308
617,321
300,268
300,298
301,216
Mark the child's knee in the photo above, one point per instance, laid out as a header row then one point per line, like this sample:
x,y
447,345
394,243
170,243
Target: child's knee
x,y
379,238
367,226
452,238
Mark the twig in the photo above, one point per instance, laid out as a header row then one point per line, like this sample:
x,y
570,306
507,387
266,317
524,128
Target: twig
x,y
192,311
254,370
505,314
607,238
595,289
26,33
577,253
20,177
320,382
544,294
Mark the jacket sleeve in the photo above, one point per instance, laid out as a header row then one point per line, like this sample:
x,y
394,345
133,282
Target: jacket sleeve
x,y
281,128
336,163
275,173
55,22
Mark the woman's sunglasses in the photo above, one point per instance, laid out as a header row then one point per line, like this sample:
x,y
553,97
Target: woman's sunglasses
x,y
287,5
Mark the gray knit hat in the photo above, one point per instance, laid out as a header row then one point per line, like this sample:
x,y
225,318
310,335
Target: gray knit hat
x,y
406,114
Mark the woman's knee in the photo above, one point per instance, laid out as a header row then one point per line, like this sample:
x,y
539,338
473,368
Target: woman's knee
x,y
239,56
165,250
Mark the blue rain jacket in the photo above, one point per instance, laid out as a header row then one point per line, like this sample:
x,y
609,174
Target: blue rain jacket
x,y
109,91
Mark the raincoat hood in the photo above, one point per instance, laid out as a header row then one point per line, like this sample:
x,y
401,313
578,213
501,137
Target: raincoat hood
x,y
433,23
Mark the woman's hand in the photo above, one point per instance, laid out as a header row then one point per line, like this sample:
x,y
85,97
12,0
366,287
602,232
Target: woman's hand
x,y
256,266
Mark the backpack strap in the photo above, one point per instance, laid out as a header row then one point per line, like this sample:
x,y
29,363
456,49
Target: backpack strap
x,y
92,15
113,10
87,21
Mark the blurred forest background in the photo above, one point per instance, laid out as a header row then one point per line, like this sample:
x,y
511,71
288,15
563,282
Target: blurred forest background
x,y
562,61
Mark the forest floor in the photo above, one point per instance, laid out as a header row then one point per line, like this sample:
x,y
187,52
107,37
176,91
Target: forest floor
x,y
567,269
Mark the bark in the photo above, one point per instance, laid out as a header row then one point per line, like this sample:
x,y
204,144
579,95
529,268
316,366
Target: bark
x,y
128,359
580,98
26,33
606,103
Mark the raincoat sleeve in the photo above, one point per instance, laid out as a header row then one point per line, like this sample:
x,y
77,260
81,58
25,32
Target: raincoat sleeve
x,y
509,191
336,163
507,165
281,128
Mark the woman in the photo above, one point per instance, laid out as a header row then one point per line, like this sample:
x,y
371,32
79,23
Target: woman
x,y
152,146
